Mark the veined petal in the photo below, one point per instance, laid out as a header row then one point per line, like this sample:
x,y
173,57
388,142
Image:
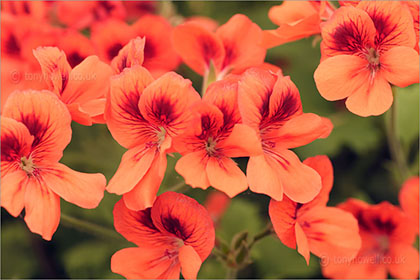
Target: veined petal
x,y
181,216
144,193
42,209
192,167
84,190
224,175
135,163
47,120
255,89
197,47
375,98
166,103
124,119
340,76
243,141
190,262
130,55
55,68
13,187
400,66
283,217
302,130
241,40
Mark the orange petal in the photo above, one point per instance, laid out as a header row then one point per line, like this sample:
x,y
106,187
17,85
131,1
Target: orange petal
x,y
323,166
272,39
139,263
84,190
404,262
124,119
243,141
42,209
135,163
331,232
284,101
263,176
16,143
340,76
241,40
180,216
400,66
13,187
302,130
300,182
130,55
95,109
291,12
254,90
409,200
393,22
302,243
197,47
47,120
190,262
375,98
144,193
192,167
283,217
87,81
166,103
159,55
55,67
225,175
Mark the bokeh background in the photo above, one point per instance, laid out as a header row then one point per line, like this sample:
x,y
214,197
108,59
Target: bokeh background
x,y
357,146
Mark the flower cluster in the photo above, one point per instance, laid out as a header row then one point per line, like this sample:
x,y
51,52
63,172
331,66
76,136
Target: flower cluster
x,y
122,75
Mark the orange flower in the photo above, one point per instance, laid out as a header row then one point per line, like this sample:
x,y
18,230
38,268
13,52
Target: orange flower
x,y
144,116
76,46
82,14
271,105
327,232
35,129
296,20
37,10
175,234
387,239
82,88
130,55
409,201
364,50
232,48
216,204
215,136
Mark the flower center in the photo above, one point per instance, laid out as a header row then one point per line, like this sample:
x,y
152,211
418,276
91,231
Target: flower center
x,y
27,165
373,58
161,135
211,146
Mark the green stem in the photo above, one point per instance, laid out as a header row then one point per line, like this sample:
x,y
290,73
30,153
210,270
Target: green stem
x,y
179,187
89,227
266,232
231,273
394,143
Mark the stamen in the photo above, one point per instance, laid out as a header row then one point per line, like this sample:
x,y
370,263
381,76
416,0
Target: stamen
x,y
373,58
211,146
27,165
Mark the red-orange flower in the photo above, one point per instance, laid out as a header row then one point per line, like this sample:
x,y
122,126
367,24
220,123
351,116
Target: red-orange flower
x,y
216,204
144,115
130,55
175,234
271,105
35,129
327,232
82,88
215,136
387,245
232,48
409,201
296,20
364,50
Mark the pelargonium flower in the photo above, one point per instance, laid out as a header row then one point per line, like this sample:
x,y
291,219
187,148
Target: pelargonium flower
x,y
409,200
82,88
35,129
216,135
175,234
232,48
364,50
387,244
296,20
130,55
327,232
271,105
144,115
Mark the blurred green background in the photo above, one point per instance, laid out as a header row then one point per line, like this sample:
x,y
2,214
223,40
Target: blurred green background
x,y
357,147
